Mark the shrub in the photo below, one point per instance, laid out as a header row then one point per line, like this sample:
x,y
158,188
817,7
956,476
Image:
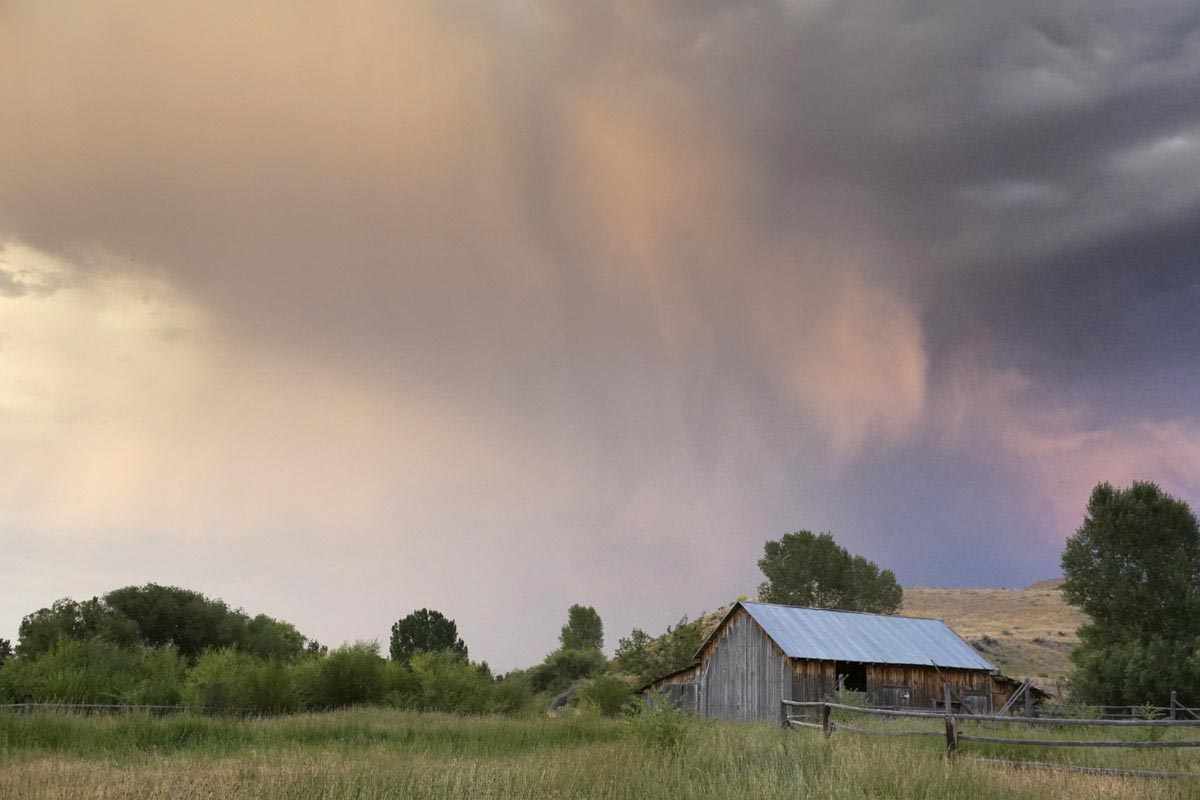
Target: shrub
x,y
353,674
512,694
609,694
447,683
563,667
659,725
95,672
227,681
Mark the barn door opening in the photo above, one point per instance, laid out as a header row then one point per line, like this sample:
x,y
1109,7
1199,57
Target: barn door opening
x,y
852,676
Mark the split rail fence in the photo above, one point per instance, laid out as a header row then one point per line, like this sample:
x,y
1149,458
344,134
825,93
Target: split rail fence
x,y
952,730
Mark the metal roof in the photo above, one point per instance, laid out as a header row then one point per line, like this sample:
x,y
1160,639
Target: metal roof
x,y
828,635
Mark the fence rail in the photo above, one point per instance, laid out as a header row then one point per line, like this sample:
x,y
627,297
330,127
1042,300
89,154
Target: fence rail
x,y
953,721
92,707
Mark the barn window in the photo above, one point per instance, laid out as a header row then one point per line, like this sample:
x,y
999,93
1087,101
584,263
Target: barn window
x,y
852,676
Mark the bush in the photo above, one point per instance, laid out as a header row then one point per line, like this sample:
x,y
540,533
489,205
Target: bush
x,y
563,667
512,694
353,674
659,725
609,694
447,683
95,672
227,681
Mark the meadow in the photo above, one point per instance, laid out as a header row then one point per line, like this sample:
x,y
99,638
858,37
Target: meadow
x,y
387,753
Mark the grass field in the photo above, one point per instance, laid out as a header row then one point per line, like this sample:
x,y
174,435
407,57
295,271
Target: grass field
x,y
377,753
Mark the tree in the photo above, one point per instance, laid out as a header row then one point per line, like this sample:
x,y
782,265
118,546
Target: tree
x,y
648,658
809,570
68,619
583,630
158,616
6,650
633,655
1133,566
425,631
564,667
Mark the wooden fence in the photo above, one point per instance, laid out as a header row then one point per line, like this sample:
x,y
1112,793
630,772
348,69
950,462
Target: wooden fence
x,y
952,723
92,708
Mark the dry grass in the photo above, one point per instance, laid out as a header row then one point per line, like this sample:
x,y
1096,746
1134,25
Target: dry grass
x,y
389,754
1024,632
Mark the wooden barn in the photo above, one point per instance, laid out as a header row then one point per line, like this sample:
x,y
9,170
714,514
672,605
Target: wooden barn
x,y
761,653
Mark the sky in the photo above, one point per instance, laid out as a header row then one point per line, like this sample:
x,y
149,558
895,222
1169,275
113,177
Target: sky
x,y
337,311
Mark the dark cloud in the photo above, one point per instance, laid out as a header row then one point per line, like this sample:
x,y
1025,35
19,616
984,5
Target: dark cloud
x,y
605,287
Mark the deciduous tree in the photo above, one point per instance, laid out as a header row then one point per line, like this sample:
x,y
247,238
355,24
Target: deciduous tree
x,y
804,569
425,631
1134,568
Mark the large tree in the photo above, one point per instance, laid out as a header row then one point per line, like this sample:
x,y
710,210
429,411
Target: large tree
x,y
154,616
6,650
805,569
1134,568
583,630
425,631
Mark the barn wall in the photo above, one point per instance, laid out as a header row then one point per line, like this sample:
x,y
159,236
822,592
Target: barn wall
x,y
924,685
687,676
680,689
812,681
743,673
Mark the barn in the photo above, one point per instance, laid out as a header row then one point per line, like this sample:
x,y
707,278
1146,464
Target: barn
x,y
761,653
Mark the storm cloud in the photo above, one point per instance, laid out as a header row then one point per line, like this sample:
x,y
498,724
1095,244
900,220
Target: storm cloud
x,y
341,312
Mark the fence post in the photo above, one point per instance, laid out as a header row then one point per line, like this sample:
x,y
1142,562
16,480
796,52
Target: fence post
x,y
826,722
1174,702
783,720
951,729
1029,699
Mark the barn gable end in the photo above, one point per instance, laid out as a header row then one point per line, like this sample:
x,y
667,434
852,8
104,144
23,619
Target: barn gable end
x,y
743,673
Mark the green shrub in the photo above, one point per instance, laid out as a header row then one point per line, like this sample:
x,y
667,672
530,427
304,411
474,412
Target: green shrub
x,y
227,681
563,667
217,683
609,694
353,674
512,694
660,726
95,672
447,683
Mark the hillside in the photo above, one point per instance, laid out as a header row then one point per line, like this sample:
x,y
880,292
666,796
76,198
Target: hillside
x,y
1024,632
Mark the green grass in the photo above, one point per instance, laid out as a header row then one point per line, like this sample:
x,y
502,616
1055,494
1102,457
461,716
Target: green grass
x,y
378,753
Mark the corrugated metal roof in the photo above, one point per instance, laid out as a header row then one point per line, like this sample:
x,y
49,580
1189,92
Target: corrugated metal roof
x,y
827,635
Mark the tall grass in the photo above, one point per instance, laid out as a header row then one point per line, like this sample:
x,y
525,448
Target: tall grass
x,y
377,753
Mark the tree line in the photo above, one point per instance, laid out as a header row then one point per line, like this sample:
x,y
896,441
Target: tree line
x,y
1133,567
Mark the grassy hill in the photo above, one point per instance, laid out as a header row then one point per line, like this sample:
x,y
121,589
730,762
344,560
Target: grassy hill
x,y
1024,632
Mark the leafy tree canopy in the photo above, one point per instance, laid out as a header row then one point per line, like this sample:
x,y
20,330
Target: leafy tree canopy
x,y
648,658
583,630
425,631
6,650
804,569
156,616
564,667
1134,568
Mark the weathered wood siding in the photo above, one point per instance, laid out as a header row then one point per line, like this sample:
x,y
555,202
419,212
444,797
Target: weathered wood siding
x,y
687,676
743,673
887,683
680,689
812,681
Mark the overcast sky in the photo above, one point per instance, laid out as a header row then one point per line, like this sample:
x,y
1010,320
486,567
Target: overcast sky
x,y
338,311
